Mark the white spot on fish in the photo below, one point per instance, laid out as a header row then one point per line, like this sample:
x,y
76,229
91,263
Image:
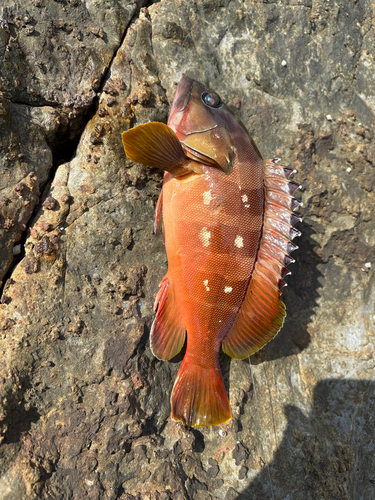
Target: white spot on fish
x,y
238,241
247,206
205,236
244,198
228,289
207,197
205,282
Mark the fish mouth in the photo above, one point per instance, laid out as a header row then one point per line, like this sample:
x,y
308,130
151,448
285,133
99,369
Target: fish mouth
x,y
186,89
183,93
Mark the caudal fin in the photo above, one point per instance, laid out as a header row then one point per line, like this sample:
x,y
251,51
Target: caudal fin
x,y
199,397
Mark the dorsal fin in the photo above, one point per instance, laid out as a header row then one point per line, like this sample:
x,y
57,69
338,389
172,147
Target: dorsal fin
x,y
262,312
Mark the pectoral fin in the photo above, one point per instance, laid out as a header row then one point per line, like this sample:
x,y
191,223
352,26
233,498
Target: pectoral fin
x,y
158,212
262,312
155,145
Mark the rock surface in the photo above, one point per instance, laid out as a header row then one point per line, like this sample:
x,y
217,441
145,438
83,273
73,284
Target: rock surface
x,y
84,406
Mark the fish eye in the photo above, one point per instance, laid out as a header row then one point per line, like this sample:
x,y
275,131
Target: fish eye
x,y
211,99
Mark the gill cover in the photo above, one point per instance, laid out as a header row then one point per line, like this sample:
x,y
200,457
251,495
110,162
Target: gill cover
x,y
203,125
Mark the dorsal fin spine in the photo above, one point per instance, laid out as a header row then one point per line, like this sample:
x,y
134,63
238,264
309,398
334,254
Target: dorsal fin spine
x,y
262,312
284,229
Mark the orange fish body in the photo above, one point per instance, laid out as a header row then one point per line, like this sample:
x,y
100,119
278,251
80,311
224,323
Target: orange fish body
x,y
227,217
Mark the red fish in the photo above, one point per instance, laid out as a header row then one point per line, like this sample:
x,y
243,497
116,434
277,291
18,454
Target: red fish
x,y
228,225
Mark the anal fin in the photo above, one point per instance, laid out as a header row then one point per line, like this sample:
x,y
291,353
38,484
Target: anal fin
x,y
262,312
168,331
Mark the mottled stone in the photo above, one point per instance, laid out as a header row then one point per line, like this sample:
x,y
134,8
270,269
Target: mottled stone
x,y
240,453
84,405
53,58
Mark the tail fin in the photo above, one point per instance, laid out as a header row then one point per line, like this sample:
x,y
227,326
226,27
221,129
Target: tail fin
x,y
199,397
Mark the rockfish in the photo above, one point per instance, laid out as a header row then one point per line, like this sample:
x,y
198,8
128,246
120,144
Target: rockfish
x,y
228,227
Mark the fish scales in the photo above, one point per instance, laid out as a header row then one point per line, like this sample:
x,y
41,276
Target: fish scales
x,y
227,218
205,236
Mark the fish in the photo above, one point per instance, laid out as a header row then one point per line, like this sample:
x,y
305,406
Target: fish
x,y
228,222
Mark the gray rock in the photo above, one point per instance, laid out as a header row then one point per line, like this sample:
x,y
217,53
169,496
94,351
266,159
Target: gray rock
x,y
53,58
56,53
84,405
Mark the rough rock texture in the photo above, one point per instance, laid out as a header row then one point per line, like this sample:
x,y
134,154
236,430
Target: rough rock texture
x,y
84,406
53,58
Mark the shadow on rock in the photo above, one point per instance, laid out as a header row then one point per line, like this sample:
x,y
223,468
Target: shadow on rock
x,y
20,415
300,297
326,454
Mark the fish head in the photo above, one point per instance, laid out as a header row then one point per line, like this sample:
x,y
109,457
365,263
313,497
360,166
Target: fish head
x,y
205,126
